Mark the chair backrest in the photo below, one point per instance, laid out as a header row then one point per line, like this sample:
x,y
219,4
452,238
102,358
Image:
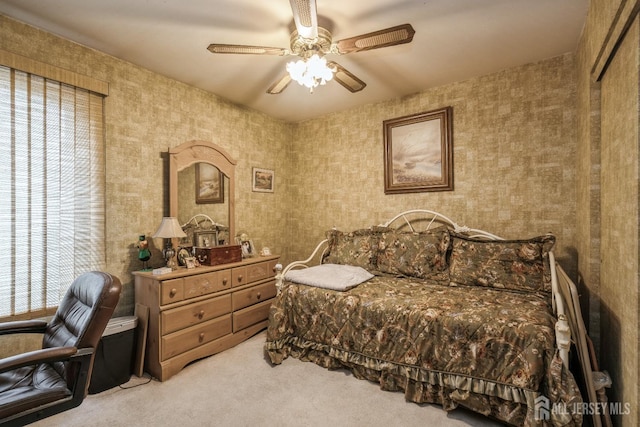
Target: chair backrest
x,y
83,313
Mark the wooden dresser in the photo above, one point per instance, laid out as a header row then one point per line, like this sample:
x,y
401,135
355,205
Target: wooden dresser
x,y
198,312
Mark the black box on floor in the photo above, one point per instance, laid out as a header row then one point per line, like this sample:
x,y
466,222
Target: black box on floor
x,y
114,356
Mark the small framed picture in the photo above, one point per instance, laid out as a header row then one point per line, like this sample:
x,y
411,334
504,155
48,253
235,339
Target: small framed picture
x,y
265,251
248,250
206,239
182,254
190,262
209,184
263,180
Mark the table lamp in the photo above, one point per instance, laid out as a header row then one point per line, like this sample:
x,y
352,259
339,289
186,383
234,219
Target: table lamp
x,y
169,229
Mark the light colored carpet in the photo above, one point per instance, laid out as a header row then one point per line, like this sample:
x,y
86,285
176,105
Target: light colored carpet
x,y
239,387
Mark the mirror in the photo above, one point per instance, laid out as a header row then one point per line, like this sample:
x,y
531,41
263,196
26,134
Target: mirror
x,y
201,191
203,198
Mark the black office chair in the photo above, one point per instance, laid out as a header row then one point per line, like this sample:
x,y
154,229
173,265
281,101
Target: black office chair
x,y
44,382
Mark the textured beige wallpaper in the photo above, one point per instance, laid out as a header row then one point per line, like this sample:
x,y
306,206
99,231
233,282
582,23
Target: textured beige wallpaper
x,y
620,228
588,174
514,139
147,113
608,195
526,161
514,146
514,142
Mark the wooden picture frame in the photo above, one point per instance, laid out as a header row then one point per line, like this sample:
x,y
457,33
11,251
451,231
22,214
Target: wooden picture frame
x,y
262,180
190,262
209,184
418,152
205,239
248,249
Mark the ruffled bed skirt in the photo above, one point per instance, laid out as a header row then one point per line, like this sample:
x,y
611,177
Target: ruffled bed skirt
x,y
506,403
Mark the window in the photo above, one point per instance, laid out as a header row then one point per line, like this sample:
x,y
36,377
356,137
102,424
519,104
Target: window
x,y
51,190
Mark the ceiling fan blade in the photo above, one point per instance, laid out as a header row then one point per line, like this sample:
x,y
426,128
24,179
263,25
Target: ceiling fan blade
x,y
305,16
399,34
346,78
280,85
246,50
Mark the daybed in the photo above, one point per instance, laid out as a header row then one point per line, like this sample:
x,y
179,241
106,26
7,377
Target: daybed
x,y
450,315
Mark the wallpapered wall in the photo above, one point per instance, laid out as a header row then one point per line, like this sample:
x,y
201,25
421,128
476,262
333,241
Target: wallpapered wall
x,y
619,276
514,139
620,309
514,142
526,161
147,113
608,198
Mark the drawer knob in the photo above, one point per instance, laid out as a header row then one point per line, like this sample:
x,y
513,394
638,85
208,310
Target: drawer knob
x,y
201,314
173,292
240,278
201,337
259,295
224,282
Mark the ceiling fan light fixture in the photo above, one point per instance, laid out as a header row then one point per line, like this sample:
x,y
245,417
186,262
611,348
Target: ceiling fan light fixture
x,y
311,39
311,72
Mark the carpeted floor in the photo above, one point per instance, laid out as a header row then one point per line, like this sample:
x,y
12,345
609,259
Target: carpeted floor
x,y
239,387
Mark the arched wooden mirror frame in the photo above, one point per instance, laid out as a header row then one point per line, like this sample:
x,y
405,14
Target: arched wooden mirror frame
x,y
190,152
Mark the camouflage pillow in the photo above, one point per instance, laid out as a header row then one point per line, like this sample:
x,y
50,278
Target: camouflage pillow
x,y
510,264
422,255
353,248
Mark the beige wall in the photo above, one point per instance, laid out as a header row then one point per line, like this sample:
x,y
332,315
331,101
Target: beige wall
x,y
514,142
527,160
608,194
588,181
619,268
147,113
514,139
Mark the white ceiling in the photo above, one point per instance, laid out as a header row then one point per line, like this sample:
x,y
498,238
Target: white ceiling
x,y
455,40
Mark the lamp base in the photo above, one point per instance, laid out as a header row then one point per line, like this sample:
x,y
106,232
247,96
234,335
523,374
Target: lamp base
x,y
169,253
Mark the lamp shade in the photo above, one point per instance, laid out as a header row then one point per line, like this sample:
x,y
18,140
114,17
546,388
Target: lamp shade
x,y
169,228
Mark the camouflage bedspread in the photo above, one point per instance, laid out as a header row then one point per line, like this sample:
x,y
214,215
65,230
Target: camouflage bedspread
x,y
490,350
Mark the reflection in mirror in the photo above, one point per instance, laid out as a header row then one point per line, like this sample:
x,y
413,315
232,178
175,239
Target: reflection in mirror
x,y
203,204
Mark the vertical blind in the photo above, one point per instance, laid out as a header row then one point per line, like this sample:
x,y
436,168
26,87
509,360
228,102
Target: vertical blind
x,y
51,190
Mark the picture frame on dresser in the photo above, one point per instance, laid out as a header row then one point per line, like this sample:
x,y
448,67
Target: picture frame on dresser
x,y
205,239
248,248
183,254
190,262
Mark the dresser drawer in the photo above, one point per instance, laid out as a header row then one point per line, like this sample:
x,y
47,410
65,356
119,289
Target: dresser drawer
x,y
192,314
203,284
251,273
247,297
251,315
171,291
181,341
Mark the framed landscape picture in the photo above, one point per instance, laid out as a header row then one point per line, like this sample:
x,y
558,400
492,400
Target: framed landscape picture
x,y
209,184
418,152
263,180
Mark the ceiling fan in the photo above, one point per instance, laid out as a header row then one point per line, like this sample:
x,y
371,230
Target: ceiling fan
x,y
311,41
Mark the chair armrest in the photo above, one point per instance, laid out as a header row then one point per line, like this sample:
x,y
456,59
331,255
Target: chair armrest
x,y
23,327
46,355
